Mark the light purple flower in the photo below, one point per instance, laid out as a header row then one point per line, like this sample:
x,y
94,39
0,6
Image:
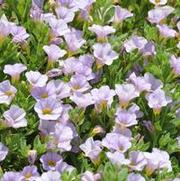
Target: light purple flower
x,y
19,34
29,172
79,83
58,27
139,83
86,60
135,177
125,118
48,109
7,92
122,131
70,4
47,127
5,27
148,49
65,14
158,159
157,14
48,91
166,31
155,83
82,100
64,167
62,89
49,160
74,40
157,100
137,160
63,135
12,176
135,42
126,92
104,54
50,176
101,31
116,142
117,158
53,52
54,72
158,2
92,149
175,64
3,152
14,70
15,117
89,176
69,65
32,156
103,97
36,79
121,14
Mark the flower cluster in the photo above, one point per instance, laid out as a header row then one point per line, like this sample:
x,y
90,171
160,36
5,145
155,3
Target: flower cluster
x,y
92,92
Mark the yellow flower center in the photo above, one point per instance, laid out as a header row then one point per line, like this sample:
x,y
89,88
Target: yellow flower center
x,y
28,175
44,95
9,93
51,163
47,110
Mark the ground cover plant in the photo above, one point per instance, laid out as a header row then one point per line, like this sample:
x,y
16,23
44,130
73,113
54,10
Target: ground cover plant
x,y
89,90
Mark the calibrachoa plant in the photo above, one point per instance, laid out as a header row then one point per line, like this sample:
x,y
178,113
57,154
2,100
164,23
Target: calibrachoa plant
x,y
90,90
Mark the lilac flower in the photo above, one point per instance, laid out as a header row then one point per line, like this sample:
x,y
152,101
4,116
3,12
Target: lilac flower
x,y
103,97
55,72
74,40
69,65
19,34
116,142
121,14
82,100
12,176
166,31
53,52
3,152
122,131
50,176
117,158
62,89
64,167
32,155
175,64
104,54
159,13
70,4
139,83
65,14
79,83
158,2
49,160
89,176
155,83
149,126
29,172
125,118
86,60
157,160
137,160
63,135
48,109
58,27
36,79
101,31
91,149
48,91
14,70
5,27
135,42
47,127
15,117
135,177
7,92
126,92
148,49
157,100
